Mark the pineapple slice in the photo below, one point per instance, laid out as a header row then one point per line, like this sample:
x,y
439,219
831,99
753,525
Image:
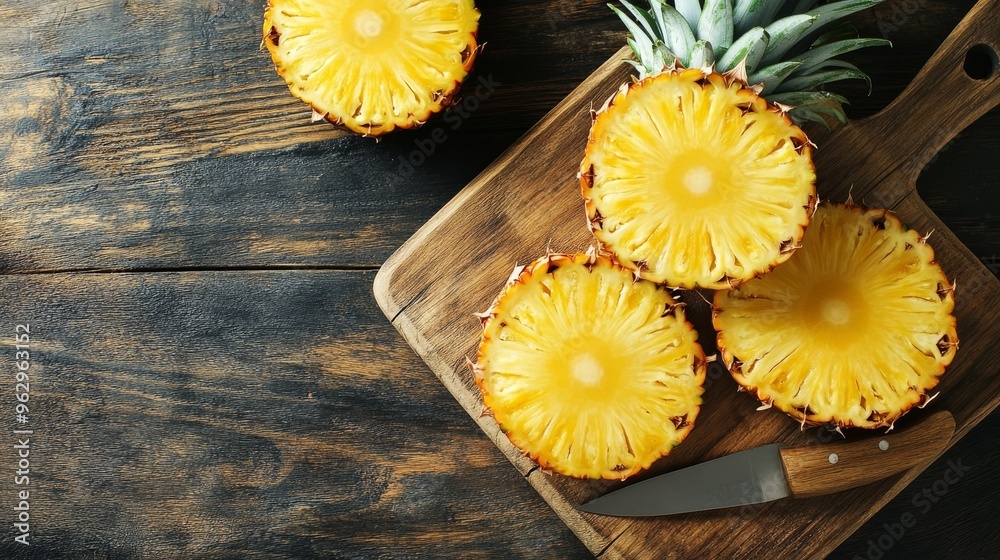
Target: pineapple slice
x,y
590,372
373,65
692,179
853,330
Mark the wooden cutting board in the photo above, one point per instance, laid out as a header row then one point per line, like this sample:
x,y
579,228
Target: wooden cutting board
x,y
529,200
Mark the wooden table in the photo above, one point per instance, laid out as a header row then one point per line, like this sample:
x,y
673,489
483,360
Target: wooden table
x,y
209,374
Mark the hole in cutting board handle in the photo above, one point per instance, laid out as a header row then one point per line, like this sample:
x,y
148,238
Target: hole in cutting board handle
x,y
981,62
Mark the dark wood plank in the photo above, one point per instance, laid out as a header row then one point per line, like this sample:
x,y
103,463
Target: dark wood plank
x,y
157,135
235,415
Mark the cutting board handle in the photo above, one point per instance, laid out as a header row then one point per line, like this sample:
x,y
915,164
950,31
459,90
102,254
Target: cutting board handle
x,y
824,469
943,99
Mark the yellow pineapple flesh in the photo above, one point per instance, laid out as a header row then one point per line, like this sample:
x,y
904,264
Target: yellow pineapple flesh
x,y
853,330
373,65
692,179
590,372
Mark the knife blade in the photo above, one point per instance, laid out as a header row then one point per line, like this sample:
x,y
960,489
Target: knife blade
x,y
775,471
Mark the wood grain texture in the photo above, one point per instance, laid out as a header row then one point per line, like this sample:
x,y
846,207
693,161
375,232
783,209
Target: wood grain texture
x,y
545,211
151,136
155,134
824,469
239,416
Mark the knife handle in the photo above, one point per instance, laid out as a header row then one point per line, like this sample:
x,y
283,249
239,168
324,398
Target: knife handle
x,y
825,469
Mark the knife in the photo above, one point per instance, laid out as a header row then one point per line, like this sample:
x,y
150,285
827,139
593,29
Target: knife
x,y
774,471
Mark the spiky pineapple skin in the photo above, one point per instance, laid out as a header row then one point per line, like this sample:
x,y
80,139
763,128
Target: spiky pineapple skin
x,y
707,79
879,219
445,97
523,275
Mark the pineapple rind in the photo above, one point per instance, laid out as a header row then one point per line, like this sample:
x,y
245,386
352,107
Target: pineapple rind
x,y
887,356
631,213
565,308
413,68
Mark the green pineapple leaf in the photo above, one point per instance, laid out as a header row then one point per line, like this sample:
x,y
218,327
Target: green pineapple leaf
x,y
839,33
635,64
834,63
769,12
643,17
639,41
818,79
834,110
807,98
664,57
772,76
816,110
691,10
801,115
785,34
748,14
796,7
839,10
674,30
716,24
811,58
750,47
702,55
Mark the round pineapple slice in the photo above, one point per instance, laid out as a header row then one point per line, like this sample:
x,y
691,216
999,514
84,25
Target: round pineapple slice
x,y
853,330
373,65
693,180
589,371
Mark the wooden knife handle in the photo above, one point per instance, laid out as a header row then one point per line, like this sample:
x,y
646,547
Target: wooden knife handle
x,y
943,99
825,469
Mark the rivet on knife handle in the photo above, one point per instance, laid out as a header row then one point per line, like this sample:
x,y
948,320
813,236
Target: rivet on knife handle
x,y
825,469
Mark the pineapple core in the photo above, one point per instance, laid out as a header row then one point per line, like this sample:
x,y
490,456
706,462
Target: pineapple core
x,y
707,183
587,370
368,24
836,312
699,180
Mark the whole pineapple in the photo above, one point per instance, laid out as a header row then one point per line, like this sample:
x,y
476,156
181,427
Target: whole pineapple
x,y
696,174
853,330
373,65
589,372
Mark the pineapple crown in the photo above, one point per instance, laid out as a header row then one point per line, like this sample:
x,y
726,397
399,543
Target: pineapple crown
x,y
764,42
